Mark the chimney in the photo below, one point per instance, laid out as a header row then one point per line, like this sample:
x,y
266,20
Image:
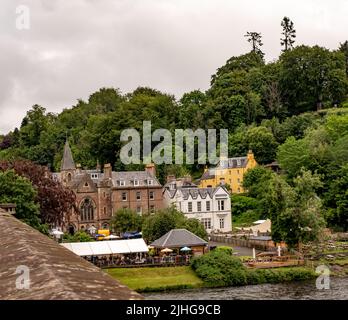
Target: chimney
x,y
151,169
187,178
107,171
78,168
170,178
251,156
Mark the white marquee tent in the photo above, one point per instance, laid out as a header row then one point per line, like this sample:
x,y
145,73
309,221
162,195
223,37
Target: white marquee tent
x,y
107,247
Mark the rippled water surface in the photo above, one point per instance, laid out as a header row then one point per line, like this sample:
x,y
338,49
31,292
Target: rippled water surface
x,y
284,291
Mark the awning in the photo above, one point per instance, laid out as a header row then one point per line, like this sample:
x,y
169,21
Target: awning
x,y
107,247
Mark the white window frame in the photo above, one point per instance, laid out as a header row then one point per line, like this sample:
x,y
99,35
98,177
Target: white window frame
x,y
189,206
199,206
207,206
153,195
221,205
122,183
124,193
222,223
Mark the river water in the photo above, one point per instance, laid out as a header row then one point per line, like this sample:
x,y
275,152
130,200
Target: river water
x,y
303,290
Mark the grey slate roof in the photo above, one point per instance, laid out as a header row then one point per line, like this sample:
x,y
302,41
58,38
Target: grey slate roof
x,y
236,162
194,192
178,238
55,272
67,161
129,176
230,163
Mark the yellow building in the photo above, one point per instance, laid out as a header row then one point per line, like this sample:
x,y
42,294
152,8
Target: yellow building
x,y
228,171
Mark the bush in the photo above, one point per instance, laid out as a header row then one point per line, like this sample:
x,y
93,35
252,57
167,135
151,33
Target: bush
x,y
220,268
228,250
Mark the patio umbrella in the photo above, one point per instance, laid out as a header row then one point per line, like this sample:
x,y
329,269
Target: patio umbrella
x,y
57,233
111,236
185,249
166,250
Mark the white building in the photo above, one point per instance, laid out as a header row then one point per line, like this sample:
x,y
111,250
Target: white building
x,y
212,206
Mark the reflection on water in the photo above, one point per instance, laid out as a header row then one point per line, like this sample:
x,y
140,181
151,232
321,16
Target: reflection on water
x,y
284,291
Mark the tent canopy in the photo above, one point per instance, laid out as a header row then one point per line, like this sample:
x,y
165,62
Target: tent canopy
x,y
107,247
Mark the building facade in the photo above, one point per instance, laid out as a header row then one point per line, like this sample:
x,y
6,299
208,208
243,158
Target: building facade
x,y
228,172
99,194
211,206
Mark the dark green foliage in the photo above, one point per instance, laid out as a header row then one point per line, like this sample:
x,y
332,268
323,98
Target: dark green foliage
x,y
157,224
19,190
126,220
80,236
219,268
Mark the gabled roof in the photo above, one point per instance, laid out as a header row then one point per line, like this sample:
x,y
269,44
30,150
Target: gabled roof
x,y
67,161
178,238
194,193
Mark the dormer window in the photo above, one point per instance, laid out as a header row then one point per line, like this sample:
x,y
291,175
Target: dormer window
x,y
238,162
150,182
94,175
136,182
122,183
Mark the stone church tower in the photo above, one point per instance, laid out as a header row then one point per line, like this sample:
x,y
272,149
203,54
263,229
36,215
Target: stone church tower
x,y
67,168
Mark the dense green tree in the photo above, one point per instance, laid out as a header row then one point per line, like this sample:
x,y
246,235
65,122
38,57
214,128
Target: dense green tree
x,y
126,220
312,77
344,48
157,224
262,142
19,190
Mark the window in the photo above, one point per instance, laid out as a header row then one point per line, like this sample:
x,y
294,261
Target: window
x,y
87,210
150,182
189,207
104,195
238,190
138,195
199,206
124,196
104,210
207,204
69,177
222,223
221,205
136,182
94,175
122,183
139,210
237,171
152,208
238,180
152,195
86,184
206,223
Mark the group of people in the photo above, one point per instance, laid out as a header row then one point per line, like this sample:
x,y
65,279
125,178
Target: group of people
x,y
137,259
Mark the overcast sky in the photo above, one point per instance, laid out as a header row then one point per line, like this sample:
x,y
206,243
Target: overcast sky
x,y
73,48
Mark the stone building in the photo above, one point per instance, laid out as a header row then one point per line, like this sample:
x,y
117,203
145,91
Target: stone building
x,y
99,194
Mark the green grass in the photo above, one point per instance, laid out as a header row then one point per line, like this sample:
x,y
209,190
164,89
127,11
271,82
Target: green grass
x,y
156,278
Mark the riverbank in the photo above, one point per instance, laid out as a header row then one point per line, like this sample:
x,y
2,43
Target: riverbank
x,y
161,279
157,278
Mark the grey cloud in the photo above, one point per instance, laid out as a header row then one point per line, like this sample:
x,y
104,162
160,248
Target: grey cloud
x,y
75,47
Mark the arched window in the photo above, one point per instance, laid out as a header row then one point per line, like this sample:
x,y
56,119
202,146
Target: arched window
x,y
69,177
87,210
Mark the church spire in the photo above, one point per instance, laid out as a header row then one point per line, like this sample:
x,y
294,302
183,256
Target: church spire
x,y
67,161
